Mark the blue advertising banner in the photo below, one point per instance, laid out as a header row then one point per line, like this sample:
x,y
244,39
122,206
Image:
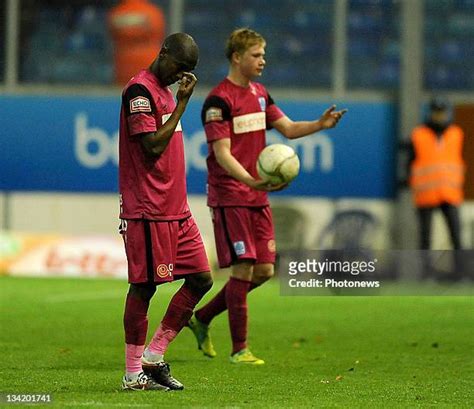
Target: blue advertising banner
x,y
70,144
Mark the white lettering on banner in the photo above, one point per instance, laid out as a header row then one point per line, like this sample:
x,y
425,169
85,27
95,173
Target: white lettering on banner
x,y
81,256
249,122
307,148
165,117
106,147
94,147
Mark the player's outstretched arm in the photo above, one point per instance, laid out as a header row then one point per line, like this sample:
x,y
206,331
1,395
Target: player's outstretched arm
x,y
234,168
297,129
155,143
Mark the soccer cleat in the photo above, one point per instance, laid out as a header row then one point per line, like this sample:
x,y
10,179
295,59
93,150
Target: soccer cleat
x,y
246,357
160,372
142,383
201,332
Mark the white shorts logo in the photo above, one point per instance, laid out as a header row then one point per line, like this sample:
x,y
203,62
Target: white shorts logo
x,y
165,117
249,123
140,104
239,247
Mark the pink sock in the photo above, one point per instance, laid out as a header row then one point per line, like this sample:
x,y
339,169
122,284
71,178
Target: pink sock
x,y
133,355
161,339
176,317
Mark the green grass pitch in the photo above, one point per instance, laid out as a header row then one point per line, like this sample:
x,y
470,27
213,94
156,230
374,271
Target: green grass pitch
x,y
64,337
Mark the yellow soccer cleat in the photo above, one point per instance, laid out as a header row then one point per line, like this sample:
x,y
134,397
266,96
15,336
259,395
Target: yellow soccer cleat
x,y
246,357
201,332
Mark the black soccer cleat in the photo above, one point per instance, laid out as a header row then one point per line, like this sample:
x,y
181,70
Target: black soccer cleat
x,y
160,372
142,383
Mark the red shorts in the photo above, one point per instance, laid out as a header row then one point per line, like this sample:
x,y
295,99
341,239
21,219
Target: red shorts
x,y
159,252
243,233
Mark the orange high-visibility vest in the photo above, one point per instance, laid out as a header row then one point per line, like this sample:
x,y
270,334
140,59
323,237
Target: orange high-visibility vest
x,y
437,173
138,29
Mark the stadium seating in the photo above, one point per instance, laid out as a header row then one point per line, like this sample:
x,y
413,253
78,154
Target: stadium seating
x,y
373,51
309,26
349,229
65,44
2,39
291,227
449,40
68,46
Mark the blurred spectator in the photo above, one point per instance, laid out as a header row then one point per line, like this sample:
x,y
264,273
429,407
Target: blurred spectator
x,y
437,171
138,29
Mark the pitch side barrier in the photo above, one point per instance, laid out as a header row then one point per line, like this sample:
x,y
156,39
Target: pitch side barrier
x,y
69,144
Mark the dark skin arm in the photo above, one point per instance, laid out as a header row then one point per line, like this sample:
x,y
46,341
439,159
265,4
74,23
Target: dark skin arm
x,y
155,143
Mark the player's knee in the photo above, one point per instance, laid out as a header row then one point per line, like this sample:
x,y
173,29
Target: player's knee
x,y
206,284
200,283
243,270
143,291
263,273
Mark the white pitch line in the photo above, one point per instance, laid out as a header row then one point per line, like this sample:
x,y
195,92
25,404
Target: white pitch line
x,y
89,296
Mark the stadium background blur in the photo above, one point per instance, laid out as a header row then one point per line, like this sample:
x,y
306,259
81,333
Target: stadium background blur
x,y
382,59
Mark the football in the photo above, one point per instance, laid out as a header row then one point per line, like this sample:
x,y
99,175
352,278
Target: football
x,y
278,163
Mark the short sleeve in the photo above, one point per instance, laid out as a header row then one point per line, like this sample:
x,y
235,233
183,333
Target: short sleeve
x,y
139,110
216,118
273,113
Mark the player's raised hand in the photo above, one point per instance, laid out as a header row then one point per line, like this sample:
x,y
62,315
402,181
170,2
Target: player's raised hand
x,y
186,86
331,117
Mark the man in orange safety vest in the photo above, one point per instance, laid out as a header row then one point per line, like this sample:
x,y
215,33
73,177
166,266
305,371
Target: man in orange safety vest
x,y
437,172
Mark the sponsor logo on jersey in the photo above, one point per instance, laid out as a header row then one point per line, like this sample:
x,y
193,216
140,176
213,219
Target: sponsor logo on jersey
x,y
164,270
140,104
249,122
263,103
239,247
214,114
165,117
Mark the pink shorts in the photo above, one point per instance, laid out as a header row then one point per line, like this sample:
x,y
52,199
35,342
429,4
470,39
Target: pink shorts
x,y
243,233
159,252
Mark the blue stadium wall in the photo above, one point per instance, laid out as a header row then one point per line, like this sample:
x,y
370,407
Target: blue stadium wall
x,y
69,144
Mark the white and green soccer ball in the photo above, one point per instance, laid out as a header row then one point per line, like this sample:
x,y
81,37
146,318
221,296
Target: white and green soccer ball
x,y
278,163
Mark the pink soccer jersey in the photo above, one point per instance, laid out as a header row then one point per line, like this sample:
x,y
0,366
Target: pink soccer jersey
x,y
242,114
152,188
